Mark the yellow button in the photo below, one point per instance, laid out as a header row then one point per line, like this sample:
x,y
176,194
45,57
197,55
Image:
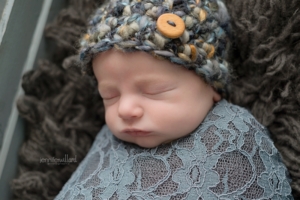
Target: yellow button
x,y
170,25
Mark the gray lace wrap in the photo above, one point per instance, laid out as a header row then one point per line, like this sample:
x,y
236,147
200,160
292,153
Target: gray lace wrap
x,y
229,156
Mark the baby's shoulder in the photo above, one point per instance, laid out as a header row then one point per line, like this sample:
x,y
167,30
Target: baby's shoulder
x,y
227,116
244,152
230,127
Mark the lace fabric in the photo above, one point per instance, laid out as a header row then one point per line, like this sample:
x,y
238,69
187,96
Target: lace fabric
x,y
229,156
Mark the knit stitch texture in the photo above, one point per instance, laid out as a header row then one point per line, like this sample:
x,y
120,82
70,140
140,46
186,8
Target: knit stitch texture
x,y
134,26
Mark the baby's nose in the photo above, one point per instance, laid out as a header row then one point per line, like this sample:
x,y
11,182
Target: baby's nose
x,y
130,108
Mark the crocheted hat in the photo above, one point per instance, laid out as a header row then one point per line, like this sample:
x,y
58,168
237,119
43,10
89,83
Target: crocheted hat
x,y
191,33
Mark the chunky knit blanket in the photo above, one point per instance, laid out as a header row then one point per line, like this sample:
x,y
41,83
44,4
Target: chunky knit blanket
x,y
229,156
64,114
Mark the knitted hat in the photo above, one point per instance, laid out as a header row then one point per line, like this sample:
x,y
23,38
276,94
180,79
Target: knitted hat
x,y
191,33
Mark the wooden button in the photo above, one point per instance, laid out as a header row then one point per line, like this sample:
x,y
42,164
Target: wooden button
x,y
170,25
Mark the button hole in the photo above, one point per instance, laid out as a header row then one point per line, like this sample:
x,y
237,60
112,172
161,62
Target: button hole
x,y
171,23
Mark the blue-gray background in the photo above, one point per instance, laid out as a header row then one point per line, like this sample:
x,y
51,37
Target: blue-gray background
x,y
14,48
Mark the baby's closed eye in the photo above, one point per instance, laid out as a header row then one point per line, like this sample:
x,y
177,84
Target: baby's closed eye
x,y
157,91
154,91
108,94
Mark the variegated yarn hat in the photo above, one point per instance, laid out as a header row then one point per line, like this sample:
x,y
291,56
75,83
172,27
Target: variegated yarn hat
x,y
191,33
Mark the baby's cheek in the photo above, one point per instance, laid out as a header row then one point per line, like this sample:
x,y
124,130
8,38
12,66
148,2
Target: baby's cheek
x,y
110,117
180,118
166,114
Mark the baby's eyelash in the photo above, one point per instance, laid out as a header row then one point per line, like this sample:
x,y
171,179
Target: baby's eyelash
x,y
109,98
157,92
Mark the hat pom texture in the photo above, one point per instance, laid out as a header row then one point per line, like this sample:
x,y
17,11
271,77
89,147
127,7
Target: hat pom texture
x,y
191,33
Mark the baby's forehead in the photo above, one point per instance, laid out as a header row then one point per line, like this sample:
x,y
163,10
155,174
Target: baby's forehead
x,y
140,57
140,66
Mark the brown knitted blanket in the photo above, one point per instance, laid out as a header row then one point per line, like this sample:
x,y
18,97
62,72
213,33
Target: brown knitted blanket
x,y
64,114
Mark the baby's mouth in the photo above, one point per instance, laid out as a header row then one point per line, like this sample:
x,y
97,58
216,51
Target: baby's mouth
x,y
135,132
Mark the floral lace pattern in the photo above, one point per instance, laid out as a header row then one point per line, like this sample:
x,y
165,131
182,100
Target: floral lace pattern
x,y
229,156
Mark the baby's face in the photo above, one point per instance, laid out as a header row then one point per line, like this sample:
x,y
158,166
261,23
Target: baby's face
x,y
149,101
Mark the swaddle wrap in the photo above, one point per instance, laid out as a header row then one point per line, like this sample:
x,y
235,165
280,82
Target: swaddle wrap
x,y
229,156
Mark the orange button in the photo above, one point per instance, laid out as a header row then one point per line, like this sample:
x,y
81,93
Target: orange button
x,y
170,25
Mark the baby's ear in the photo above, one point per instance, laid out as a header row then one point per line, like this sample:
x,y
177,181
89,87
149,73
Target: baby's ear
x,y
216,96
